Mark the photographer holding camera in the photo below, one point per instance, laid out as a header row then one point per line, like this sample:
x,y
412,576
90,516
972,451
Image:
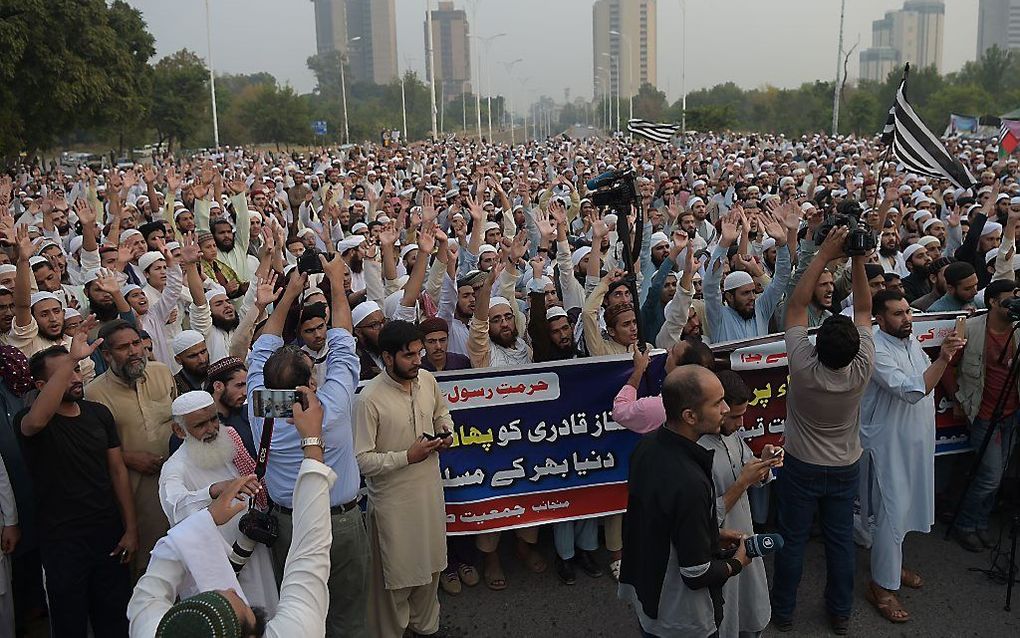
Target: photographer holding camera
x,y
211,457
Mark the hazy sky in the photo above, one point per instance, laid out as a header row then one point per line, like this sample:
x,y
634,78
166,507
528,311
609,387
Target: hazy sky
x,y
750,42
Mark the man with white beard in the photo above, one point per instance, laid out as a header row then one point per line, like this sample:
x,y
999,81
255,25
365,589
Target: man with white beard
x,y
210,458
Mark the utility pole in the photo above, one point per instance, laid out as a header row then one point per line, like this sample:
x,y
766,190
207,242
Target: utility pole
x,y
432,69
212,78
837,94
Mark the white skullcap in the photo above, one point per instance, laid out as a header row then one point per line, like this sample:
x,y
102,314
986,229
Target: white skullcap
x,y
1014,201
768,244
359,226
991,227
75,244
305,232
90,275
190,402
44,243
806,206
6,268
490,226
70,313
610,218
736,279
347,243
128,234
362,310
659,238
540,282
928,240
486,248
552,312
406,249
253,214
43,296
186,339
127,289
921,214
697,183
929,223
215,291
172,245
579,254
991,254
694,200
149,258
36,260
910,250
1000,197
499,301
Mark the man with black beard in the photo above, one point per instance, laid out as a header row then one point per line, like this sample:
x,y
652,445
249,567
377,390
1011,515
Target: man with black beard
x,y
352,251
214,317
889,249
457,305
227,383
139,393
552,336
368,321
106,301
917,260
6,313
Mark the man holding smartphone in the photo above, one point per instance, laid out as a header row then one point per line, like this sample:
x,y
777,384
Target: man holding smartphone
x,y
401,423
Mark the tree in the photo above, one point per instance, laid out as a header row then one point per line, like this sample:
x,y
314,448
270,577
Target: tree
x,y
68,65
326,68
650,103
275,114
180,94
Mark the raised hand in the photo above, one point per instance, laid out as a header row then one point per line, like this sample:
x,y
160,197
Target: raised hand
x,y
190,252
266,292
81,349
173,180
389,235
729,232
428,208
334,269
426,240
24,245
519,246
558,212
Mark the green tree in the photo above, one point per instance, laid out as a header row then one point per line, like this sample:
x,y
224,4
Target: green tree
x,y
180,94
990,71
326,68
68,65
650,103
275,114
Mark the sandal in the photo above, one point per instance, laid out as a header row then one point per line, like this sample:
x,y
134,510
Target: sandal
x,y
886,603
468,574
449,581
614,569
911,579
495,579
531,559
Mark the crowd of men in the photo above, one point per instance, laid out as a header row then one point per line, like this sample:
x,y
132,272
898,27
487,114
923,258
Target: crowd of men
x,y
141,310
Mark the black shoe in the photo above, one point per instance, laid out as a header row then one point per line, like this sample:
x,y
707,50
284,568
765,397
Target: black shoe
x,y
782,624
840,625
587,564
968,540
565,570
986,538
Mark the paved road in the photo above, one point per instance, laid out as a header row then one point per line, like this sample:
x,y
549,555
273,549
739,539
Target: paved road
x,y
954,602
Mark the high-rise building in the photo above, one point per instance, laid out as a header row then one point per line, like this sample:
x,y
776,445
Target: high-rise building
x,y
913,34
625,46
998,24
372,57
451,50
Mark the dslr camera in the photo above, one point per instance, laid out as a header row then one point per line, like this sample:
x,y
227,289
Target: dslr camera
x,y
255,527
860,241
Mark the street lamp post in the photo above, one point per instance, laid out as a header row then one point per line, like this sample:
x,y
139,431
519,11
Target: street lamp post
x,y
509,66
683,68
486,41
212,78
343,90
432,68
630,72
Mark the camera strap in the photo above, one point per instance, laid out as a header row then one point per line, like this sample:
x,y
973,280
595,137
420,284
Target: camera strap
x,y
263,458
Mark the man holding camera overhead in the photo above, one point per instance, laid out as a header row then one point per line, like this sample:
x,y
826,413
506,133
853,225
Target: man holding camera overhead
x,y
277,366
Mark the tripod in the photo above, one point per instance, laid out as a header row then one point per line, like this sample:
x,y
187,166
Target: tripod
x,y
1000,405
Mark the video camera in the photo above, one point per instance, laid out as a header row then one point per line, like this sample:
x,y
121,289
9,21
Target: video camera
x,y
860,241
1012,306
614,189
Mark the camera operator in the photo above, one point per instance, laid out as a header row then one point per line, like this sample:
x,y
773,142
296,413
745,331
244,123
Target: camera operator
x,y
981,373
210,458
823,437
222,608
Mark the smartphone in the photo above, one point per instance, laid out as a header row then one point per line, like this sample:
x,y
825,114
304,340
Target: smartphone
x,y
276,404
433,437
961,327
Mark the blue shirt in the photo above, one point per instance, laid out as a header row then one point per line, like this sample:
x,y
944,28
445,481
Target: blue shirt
x,y
727,324
337,396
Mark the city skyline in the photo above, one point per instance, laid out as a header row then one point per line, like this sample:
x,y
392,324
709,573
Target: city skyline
x,y
913,34
726,41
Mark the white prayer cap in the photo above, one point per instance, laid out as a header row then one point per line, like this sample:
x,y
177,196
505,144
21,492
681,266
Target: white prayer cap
x,y
128,234
786,181
579,254
910,250
610,219
659,238
42,243
127,289
991,254
990,228
215,291
736,279
70,313
541,282
1000,197
148,259
43,296
921,214
806,206
694,200
305,232
172,245
87,277
928,240
486,248
186,339
36,260
362,311
6,268
490,226
697,183
252,214
768,244
1014,201
929,223
347,243
75,244
498,301
406,249
552,312
358,227
190,402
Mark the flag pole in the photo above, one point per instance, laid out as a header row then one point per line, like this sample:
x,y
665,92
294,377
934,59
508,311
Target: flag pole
x,y
888,150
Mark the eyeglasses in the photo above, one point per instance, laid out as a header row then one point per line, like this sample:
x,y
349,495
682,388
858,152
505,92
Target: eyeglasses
x,y
375,325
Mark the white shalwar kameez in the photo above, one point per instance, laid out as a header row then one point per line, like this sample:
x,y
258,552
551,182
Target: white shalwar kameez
x,y
898,437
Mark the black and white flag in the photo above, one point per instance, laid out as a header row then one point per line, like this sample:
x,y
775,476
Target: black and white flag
x,y
917,148
661,133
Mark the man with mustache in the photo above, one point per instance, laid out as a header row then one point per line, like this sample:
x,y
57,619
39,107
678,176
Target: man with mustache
x,y
139,392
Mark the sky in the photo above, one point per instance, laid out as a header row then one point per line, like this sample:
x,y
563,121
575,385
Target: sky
x,y
749,42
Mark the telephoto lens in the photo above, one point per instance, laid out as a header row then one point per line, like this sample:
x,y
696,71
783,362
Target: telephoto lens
x,y
240,552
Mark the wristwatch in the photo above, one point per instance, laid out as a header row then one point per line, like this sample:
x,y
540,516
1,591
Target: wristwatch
x,y
312,440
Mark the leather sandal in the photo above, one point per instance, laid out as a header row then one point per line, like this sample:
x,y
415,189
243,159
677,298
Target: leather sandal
x,y
886,604
911,579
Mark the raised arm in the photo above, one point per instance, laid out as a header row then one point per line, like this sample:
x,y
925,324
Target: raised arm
x,y
831,248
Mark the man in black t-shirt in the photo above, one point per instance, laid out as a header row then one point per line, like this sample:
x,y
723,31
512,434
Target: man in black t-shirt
x,y
84,507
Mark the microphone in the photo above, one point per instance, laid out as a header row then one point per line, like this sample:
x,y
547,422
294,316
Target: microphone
x,y
598,182
762,544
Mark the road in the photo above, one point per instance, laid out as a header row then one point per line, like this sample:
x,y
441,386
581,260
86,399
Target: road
x,y
954,602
